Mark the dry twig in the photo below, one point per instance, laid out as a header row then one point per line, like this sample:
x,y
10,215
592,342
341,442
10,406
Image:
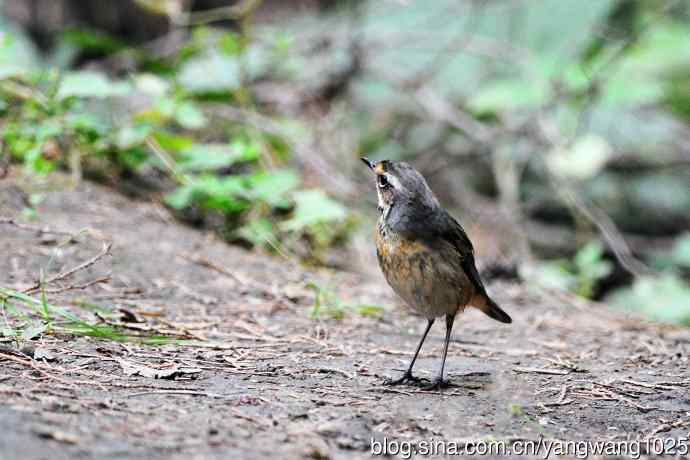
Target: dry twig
x,y
33,228
204,262
539,370
66,274
79,287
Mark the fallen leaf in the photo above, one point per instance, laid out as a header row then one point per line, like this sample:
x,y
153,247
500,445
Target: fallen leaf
x,y
131,369
42,353
56,435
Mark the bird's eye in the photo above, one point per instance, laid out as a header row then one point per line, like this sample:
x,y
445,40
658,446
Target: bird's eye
x,y
382,181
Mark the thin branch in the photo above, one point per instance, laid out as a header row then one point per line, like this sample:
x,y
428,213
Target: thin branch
x,y
455,45
60,276
181,392
33,228
204,262
442,110
11,355
79,287
609,231
237,11
607,69
167,160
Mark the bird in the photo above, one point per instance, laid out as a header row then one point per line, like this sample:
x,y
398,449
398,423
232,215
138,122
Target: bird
x,y
425,256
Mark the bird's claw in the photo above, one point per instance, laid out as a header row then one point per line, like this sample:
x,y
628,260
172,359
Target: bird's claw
x,y
406,378
437,384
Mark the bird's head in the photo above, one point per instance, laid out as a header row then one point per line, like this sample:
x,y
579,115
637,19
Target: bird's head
x,y
400,185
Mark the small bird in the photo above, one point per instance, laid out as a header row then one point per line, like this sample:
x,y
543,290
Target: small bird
x,y
425,255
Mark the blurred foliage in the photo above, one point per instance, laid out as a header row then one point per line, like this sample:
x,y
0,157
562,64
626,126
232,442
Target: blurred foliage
x,y
26,318
327,305
578,275
589,102
664,298
590,96
157,122
677,256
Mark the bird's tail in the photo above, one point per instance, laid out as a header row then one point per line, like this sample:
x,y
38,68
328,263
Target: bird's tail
x,y
491,308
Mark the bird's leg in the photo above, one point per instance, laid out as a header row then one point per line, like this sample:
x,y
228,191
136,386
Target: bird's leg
x,y
407,376
438,382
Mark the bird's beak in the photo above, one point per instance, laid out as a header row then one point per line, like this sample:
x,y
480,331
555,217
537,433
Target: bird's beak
x,y
368,162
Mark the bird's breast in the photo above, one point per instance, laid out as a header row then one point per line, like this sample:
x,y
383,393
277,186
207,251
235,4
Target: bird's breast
x,y
429,279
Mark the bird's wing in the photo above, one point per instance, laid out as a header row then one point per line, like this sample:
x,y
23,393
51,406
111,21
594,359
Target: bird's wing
x,y
455,234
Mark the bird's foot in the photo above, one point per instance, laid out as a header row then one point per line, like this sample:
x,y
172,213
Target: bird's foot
x,y
437,384
406,378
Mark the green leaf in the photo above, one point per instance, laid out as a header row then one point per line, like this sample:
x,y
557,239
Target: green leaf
x,y
173,142
626,90
87,122
589,255
678,256
369,310
210,72
554,275
583,160
48,128
665,298
505,95
90,84
165,106
189,116
180,198
313,207
151,84
557,27
133,157
131,136
211,192
257,231
681,250
272,187
209,157
230,43
94,40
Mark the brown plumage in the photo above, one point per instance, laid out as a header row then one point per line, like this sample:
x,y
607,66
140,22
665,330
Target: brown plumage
x,y
425,254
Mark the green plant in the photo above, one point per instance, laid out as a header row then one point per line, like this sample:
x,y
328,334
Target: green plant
x,y
662,298
579,275
25,317
64,119
515,410
677,257
327,304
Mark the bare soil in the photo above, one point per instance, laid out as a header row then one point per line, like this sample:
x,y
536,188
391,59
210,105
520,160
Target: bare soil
x,y
258,377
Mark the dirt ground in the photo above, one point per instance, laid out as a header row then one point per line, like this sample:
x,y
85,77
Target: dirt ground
x,y
260,378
